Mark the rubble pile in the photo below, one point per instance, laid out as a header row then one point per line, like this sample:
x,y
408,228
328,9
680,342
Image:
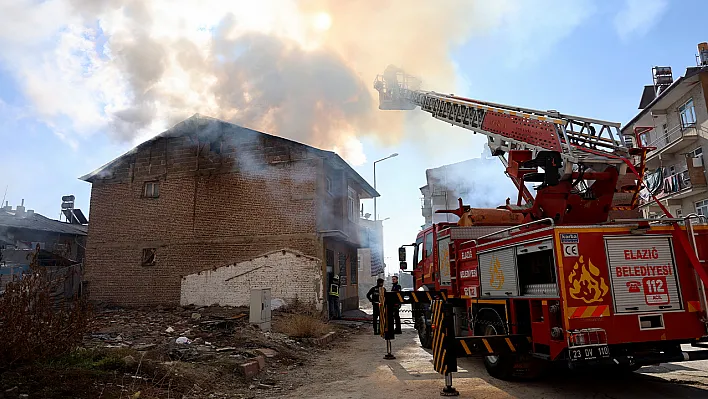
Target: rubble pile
x,y
210,340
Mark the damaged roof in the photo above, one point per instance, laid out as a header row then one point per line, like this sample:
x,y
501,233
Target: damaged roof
x,y
38,222
196,122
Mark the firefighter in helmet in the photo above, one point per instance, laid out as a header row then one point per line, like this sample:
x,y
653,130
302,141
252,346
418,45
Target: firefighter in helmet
x,y
334,298
373,297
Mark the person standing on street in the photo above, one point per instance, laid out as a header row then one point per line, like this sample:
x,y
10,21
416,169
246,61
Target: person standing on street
x,y
397,308
373,297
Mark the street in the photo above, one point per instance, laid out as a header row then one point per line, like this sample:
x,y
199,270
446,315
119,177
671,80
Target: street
x,y
358,370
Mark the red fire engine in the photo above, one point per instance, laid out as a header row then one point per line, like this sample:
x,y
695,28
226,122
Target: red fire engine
x,y
562,275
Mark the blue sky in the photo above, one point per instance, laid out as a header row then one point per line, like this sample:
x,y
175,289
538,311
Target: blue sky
x,y
587,58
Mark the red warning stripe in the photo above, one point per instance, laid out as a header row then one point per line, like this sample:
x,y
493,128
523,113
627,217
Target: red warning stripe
x,y
588,311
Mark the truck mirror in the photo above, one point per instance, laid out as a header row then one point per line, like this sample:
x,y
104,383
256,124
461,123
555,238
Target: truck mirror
x,y
402,254
404,265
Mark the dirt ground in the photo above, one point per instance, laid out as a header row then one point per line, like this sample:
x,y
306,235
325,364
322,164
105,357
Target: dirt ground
x,y
356,369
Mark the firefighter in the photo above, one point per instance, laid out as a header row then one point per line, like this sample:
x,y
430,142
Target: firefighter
x,y
334,298
373,297
397,307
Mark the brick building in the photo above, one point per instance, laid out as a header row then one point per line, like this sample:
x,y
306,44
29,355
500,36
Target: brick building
x,y
206,194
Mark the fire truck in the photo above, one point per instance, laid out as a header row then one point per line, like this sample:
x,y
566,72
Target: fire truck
x,y
571,274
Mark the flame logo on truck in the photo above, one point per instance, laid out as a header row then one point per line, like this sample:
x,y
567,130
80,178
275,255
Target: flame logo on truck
x,y
586,283
496,275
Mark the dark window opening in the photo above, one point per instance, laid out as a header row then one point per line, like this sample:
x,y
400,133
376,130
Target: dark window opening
x,y
342,269
151,189
536,268
149,256
353,269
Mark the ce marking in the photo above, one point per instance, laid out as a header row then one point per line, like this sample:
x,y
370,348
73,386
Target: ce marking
x,y
570,250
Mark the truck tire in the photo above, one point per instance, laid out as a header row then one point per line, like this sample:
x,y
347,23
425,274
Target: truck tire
x,y
425,333
502,366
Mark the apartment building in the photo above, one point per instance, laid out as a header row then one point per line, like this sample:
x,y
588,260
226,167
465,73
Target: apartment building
x,y
677,113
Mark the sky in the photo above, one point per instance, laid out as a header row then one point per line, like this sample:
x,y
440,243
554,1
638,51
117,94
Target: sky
x,y
82,82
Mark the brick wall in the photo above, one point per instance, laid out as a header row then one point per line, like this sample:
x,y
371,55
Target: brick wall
x,y
222,200
289,274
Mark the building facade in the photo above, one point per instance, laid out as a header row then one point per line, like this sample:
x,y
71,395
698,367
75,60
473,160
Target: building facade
x,y
480,182
371,263
206,194
677,113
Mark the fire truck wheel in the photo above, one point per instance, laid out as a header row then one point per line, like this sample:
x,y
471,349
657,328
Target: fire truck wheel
x,y
425,334
501,366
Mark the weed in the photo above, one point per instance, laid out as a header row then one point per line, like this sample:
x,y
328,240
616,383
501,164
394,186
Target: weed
x,y
33,326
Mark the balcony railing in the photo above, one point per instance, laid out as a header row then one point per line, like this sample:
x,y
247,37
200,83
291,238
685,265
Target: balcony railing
x,y
671,136
675,184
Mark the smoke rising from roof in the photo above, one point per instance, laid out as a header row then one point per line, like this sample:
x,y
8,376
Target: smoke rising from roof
x,y
299,69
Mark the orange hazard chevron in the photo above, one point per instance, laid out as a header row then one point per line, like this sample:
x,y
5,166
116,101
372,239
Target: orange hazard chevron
x,y
588,311
694,306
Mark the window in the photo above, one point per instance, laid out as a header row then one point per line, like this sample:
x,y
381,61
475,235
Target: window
x,y
149,256
702,207
418,252
428,244
679,212
353,265
342,269
688,114
328,185
151,189
352,205
330,261
697,157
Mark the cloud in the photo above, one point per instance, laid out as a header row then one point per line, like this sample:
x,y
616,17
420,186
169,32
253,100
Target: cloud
x,y
637,17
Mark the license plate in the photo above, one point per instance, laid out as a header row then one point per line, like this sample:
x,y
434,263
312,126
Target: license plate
x,y
589,352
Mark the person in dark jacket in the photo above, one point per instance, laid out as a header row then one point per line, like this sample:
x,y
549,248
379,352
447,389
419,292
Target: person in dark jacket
x,y
397,308
373,297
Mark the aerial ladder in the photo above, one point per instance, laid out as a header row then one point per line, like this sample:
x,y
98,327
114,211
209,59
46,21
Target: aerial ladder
x,y
587,168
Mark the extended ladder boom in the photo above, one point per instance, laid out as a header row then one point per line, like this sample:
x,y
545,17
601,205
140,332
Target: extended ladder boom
x,y
576,139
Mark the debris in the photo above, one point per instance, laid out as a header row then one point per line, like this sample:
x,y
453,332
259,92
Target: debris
x,y
225,349
196,316
276,303
183,341
11,389
143,347
170,330
269,353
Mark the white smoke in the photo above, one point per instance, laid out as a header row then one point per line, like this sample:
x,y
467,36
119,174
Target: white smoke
x,y
300,69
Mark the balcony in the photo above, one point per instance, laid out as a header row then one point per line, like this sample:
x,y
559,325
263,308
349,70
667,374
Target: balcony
x,y
672,141
677,186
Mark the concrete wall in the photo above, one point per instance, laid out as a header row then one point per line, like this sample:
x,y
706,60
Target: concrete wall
x,y
289,274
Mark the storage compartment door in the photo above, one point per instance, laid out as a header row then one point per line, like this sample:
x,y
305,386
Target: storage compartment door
x,y
497,271
643,273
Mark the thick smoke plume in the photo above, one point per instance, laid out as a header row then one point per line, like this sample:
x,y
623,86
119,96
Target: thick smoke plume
x,y
300,69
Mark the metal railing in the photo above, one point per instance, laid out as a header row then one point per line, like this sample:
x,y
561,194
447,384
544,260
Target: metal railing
x,y
672,135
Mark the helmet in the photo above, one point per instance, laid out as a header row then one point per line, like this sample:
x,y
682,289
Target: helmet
x,y
335,278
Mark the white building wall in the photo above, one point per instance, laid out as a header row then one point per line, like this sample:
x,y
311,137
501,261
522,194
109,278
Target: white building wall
x,y
288,273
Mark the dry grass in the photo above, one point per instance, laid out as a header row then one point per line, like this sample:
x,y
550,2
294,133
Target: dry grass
x,y
33,327
303,326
